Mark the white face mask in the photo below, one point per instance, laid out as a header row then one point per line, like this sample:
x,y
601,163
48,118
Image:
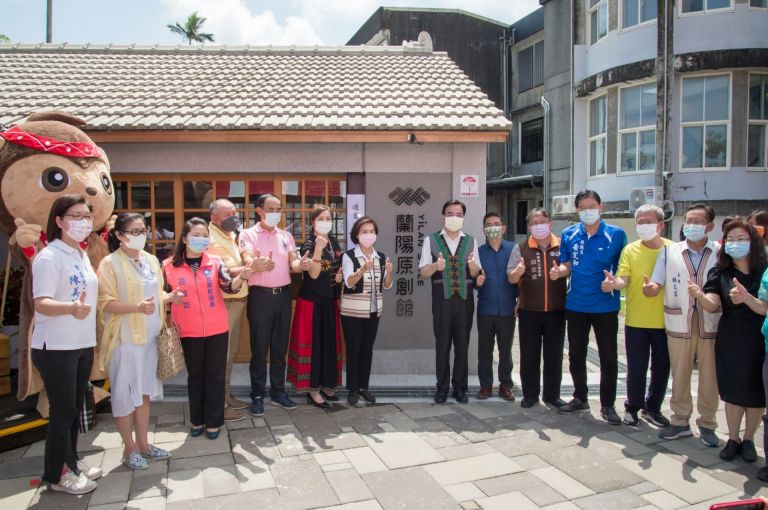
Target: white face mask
x,y
79,230
589,216
647,231
271,219
322,227
454,223
135,242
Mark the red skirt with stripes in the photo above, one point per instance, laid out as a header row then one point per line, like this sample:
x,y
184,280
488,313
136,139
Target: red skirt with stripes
x,y
314,351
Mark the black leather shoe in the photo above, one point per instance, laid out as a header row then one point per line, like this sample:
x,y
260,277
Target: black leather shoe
x,y
329,398
557,403
367,396
762,474
460,396
528,402
748,451
352,398
732,448
441,397
319,405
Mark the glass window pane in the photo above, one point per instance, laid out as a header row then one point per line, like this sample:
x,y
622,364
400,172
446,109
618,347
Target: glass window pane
x,y
718,4
693,5
164,227
693,99
758,95
630,108
234,191
758,3
597,157
597,117
717,146
163,194
593,3
717,98
693,145
628,152
198,194
314,193
648,9
629,13
603,10
648,102
593,21
647,153
337,194
293,224
292,193
756,146
162,250
121,194
258,188
140,198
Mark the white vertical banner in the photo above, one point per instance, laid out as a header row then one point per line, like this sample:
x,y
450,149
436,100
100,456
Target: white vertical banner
x,y
355,210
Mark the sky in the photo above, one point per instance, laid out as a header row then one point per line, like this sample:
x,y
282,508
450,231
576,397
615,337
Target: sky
x,y
259,22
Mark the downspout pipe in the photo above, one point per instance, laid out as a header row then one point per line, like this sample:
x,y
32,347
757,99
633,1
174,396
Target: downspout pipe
x,y
545,172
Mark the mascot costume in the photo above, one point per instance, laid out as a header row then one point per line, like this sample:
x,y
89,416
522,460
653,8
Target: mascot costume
x,y
40,159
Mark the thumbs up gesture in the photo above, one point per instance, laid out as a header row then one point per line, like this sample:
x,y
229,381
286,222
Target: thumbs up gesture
x,y
440,264
520,269
147,306
738,293
305,261
26,234
472,263
80,309
368,266
481,278
609,283
177,296
388,266
650,288
694,290
261,264
555,273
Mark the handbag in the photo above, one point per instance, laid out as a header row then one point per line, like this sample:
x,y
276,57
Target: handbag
x,y
170,355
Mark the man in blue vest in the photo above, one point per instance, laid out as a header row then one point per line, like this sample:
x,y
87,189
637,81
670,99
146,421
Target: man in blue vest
x,y
589,254
451,260
496,300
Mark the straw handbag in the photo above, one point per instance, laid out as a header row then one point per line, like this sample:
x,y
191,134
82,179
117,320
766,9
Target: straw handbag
x,y
170,356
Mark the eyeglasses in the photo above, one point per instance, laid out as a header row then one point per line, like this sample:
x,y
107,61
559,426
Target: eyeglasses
x,y
740,239
136,232
79,216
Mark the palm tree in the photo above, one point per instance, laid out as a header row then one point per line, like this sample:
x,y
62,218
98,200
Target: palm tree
x,y
191,29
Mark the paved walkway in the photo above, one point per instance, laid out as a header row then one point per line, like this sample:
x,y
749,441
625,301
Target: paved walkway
x,y
489,455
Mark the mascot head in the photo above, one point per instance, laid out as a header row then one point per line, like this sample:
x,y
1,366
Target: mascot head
x,y
47,156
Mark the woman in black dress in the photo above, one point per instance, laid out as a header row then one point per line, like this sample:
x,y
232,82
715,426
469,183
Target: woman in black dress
x,y
314,358
739,348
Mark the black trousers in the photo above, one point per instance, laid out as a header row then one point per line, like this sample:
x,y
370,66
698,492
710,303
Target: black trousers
x,y
359,336
206,359
606,327
269,316
452,323
491,330
541,332
642,344
65,377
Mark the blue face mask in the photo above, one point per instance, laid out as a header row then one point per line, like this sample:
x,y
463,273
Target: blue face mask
x,y
589,216
737,249
694,232
198,244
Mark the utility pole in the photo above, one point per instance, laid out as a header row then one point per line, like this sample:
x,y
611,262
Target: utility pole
x,y
49,22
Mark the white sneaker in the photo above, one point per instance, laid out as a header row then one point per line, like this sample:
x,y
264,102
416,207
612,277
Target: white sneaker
x,y
92,473
73,484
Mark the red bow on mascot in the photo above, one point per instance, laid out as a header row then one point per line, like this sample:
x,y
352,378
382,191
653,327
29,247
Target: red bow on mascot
x,y
40,159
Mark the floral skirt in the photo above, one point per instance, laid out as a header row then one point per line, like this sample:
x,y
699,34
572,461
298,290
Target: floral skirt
x,y
314,351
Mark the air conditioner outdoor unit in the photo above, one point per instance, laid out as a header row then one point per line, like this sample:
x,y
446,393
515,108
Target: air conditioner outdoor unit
x,y
641,196
564,204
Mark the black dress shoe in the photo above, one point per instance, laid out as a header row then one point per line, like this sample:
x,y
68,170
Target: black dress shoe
x,y
557,403
460,396
319,405
528,402
367,396
732,448
441,397
352,398
329,398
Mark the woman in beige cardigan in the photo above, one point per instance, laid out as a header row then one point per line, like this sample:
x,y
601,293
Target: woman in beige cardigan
x,y
131,298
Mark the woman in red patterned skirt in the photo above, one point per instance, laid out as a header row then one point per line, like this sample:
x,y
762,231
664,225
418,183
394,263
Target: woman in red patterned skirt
x,y
314,353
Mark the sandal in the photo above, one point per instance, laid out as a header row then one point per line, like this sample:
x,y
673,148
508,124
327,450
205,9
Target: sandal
x,y
155,453
135,461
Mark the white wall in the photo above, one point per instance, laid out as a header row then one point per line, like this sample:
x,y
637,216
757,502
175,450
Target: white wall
x,y
615,49
741,27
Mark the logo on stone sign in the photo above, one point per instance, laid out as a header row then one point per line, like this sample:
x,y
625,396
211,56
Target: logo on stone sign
x,y
409,196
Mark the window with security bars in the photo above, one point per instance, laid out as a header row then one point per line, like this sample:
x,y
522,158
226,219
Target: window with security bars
x,y
531,66
757,137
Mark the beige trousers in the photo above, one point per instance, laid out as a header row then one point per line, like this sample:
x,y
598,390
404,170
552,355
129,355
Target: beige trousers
x,y
236,311
682,353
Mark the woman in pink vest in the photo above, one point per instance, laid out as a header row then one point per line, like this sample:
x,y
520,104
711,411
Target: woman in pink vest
x,y
201,318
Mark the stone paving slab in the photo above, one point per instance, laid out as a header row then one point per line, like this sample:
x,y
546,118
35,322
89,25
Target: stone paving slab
x,y
400,449
348,485
591,469
620,498
516,500
16,492
408,488
471,468
301,484
254,475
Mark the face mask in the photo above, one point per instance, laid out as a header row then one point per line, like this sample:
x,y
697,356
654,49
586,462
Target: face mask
x,y
198,244
454,223
541,231
589,216
646,232
271,219
493,233
694,232
135,242
366,240
323,227
79,230
737,249
230,224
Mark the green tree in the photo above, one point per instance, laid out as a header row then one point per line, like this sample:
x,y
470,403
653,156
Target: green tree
x,y
191,29
4,38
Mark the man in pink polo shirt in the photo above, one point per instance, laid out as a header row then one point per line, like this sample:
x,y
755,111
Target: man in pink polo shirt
x,y
272,253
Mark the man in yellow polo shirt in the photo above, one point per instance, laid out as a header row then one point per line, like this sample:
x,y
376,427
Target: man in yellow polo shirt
x,y
644,334
223,228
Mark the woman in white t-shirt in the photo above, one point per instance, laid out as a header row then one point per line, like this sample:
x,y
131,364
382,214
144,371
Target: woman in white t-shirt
x,y
65,289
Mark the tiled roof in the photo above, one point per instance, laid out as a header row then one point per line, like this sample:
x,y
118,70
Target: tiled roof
x,y
223,88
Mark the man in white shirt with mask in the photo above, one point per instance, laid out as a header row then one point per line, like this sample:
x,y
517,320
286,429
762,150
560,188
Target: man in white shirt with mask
x,y
450,258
